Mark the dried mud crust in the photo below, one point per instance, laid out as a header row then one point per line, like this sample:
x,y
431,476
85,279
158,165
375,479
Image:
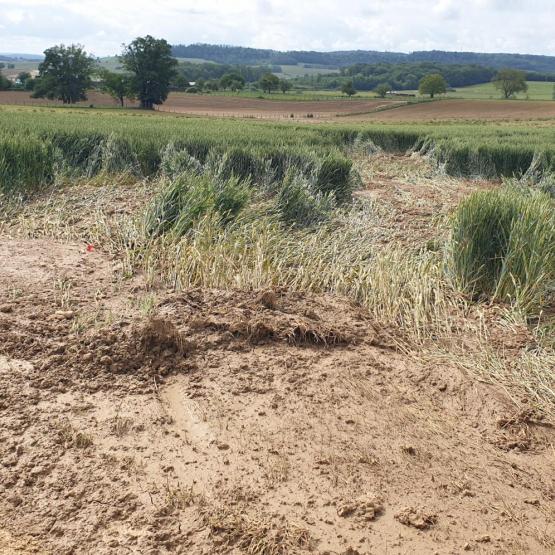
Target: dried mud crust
x,y
241,422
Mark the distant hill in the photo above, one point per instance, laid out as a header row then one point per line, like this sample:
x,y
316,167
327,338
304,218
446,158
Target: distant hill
x,y
17,57
255,56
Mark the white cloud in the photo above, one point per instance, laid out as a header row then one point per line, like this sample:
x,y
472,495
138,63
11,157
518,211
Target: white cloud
x,y
395,25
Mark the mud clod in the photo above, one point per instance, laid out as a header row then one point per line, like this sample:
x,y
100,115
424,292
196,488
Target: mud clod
x,y
416,517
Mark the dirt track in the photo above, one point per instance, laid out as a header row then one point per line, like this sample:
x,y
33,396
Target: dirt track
x,y
145,421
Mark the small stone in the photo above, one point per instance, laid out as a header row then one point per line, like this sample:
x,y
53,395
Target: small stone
x,y
483,539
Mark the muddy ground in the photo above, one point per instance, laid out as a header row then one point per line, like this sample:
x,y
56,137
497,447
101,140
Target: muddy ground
x,y
140,420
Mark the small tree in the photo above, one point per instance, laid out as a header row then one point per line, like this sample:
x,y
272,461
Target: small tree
x,y
23,76
152,65
64,74
432,84
179,83
5,83
510,82
382,89
269,82
237,85
212,85
118,85
348,89
284,85
233,81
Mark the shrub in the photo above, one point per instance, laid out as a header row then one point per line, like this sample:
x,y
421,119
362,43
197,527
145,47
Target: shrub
x,y
503,246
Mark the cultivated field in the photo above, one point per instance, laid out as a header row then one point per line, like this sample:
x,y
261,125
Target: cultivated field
x,y
235,336
478,110
537,90
323,108
276,106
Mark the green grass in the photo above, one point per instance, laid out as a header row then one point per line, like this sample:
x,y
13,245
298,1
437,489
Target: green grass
x,y
299,70
537,90
85,140
503,246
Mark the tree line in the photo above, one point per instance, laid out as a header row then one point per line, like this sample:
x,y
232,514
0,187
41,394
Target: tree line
x,y
258,56
66,73
149,72
366,77
508,81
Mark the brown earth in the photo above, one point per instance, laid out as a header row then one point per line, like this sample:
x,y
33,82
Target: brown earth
x,y
229,106
479,110
140,420
217,105
325,110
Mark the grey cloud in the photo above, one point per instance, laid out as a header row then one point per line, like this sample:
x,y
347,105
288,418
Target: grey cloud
x,y
400,25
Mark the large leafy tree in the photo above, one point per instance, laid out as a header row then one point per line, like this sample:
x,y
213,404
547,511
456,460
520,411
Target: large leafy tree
x,y
284,85
269,82
432,84
5,83
65,74
382,89
510,82
348,89
153,67
232,81
118,85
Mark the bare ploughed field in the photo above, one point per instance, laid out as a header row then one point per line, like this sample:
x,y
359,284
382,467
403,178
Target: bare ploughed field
x,y
140,419
225,105
325,110
444,110
215,105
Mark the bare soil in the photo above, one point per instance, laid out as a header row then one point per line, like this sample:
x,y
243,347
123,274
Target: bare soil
x,y
219,105
140,420
479,110
324,110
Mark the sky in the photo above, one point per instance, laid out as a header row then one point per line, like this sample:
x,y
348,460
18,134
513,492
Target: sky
x,y
521,26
